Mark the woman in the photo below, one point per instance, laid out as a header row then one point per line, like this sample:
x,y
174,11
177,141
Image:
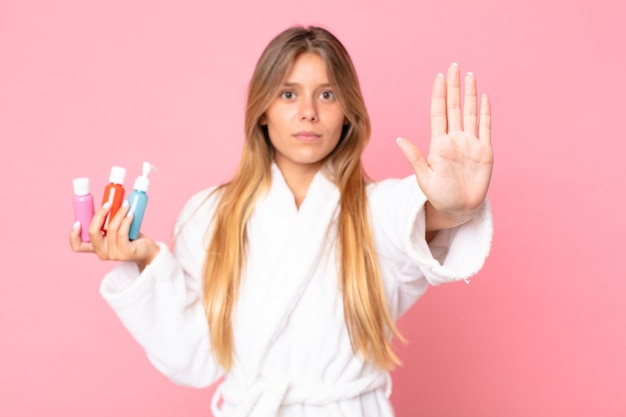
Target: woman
x,y
288,279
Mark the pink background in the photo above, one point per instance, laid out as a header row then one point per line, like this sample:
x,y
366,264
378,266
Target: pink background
x,y
85,85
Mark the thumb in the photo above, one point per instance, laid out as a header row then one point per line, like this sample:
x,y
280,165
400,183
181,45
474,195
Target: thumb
x,y
416,159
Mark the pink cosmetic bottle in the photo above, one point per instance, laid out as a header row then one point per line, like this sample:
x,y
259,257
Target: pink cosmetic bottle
x,y
83,206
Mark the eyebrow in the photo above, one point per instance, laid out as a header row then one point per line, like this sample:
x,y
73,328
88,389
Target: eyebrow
x,y
292,84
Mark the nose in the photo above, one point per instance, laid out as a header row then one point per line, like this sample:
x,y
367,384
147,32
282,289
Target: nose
x,y
308,110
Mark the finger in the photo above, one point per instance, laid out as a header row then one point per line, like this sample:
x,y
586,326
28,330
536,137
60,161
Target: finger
x,y
416,159
113,232
453,98
123,242
484,125
95,231
76,242
470,105
438,118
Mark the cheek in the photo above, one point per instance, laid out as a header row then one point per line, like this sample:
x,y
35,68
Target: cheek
x,y
277,118
339,122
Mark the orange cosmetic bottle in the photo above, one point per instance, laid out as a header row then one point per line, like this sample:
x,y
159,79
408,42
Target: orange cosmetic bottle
x,y
114,193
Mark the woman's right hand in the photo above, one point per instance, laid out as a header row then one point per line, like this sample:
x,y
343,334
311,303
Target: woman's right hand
x,y
115,245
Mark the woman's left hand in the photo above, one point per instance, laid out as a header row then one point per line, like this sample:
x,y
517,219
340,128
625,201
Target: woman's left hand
x,y
456,174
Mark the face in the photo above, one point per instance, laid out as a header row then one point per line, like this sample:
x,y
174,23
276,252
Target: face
x,y
305,119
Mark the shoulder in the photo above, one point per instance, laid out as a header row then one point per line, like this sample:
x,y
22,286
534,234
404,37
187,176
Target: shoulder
x,y
199,207
204,198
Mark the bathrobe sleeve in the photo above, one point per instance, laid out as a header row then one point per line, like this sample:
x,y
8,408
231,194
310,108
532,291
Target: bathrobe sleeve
x,y
162,307
397,209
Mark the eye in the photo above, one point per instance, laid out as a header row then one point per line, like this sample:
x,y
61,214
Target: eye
x,y
327,95
287,95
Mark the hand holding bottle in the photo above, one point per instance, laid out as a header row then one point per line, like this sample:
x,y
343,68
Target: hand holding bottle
x,y
112,232
115,245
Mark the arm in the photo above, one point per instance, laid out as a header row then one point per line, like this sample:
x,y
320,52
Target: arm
x,y
399,225
157,293
456,173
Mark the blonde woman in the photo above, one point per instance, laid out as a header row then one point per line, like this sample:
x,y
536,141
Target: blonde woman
x,y
288,279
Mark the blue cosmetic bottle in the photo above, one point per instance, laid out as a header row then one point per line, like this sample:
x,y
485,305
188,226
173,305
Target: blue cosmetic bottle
x,y
138,200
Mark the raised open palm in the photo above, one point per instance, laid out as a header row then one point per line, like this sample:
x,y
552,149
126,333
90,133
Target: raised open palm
x,y
456,173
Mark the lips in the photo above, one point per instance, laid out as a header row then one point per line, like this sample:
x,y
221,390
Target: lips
x,y
306,136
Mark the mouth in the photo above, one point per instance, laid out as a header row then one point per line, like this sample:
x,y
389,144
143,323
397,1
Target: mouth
x,y
306,136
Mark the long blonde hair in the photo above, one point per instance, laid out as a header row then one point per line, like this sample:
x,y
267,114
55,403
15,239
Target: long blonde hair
x,y
365,310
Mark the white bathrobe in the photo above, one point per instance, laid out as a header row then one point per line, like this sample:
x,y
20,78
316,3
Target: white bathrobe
x,y
292,350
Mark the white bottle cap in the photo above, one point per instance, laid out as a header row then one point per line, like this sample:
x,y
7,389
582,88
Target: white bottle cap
x,y
142,183
117,175
81,186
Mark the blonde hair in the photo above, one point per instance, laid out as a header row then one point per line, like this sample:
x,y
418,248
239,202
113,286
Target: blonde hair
x,y
367,318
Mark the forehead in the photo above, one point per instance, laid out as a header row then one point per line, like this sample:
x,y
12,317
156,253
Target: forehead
x,y
308,67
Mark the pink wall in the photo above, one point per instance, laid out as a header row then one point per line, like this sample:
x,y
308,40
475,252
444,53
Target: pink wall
x,y
84,85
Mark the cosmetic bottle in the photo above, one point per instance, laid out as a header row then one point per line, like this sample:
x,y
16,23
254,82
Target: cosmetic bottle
x,y
114,193
138,200
83,206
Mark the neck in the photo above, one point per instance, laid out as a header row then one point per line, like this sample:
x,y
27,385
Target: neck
x,y
298,178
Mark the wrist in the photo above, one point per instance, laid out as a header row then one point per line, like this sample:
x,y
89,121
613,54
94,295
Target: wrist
x,y
152,252
439,219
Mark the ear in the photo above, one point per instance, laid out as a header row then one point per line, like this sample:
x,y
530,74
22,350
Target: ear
x,y
263,120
